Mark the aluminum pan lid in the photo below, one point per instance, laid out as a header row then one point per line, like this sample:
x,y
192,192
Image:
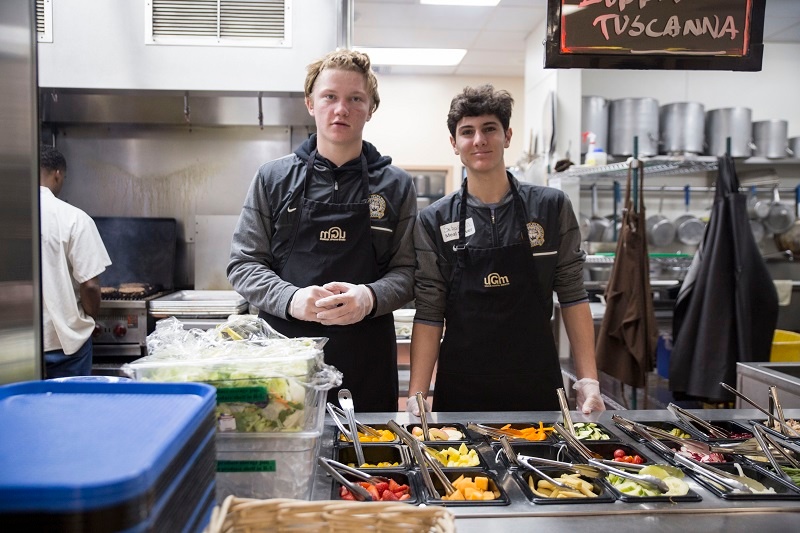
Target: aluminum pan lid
x,y
72,446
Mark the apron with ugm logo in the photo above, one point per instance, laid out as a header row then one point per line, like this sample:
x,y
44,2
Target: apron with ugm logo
x,y
332,242
498,352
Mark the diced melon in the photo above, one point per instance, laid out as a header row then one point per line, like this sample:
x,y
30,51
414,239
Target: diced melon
x,y
457,495
482,482
488,495
473,494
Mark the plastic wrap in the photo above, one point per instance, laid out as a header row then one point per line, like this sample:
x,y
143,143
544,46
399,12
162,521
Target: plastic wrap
x,y
265,381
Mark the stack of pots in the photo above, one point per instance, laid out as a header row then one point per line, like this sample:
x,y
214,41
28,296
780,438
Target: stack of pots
x,y
629,118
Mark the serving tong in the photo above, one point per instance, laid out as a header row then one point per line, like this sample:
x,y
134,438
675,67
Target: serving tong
x,y
576,445
690,444
424,459
727,480
764,440
687,418
513,459
773,397
495,433
785,428
334,468
336,412
562,400
346,403
423,416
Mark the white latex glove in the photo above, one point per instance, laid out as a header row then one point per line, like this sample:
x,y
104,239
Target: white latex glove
x,y
303,303
348,304
412,406
588,395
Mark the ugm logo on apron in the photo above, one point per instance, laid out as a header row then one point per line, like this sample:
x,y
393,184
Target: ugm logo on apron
x,y
495,280
333,234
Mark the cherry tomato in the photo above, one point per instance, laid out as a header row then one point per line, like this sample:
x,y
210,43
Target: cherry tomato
x,y
637,459
619,453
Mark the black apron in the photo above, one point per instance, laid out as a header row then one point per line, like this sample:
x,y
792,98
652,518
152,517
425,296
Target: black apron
x,y
727,307
498,352
332,242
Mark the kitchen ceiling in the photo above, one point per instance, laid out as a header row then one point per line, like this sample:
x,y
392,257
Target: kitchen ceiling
x,y
494,37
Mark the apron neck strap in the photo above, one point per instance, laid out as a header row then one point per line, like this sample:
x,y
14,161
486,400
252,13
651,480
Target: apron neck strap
x,y
364,175
462,219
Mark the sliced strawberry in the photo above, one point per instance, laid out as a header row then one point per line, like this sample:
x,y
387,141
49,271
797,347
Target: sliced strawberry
x,y
389,496
393,485
405,497
381,487
400,488
343,490
348,496
373,492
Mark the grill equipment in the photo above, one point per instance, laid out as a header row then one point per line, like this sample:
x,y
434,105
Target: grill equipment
x,y
142,252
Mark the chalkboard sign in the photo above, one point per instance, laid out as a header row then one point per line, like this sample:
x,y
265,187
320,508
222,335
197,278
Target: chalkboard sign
x,y
655,34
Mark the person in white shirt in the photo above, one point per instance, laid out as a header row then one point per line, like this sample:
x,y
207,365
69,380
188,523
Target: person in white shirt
x,y
73,257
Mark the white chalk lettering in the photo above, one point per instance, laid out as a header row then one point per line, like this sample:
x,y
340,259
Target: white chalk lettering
x,y
637,28
672,28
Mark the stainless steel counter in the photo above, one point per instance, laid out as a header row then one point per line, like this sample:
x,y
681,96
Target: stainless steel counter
x,y
754,380
710,514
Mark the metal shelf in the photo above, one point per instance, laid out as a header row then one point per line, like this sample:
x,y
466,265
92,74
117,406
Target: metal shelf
x,y
667,166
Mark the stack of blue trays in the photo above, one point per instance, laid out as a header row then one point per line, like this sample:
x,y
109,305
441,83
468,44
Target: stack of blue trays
x,y
101,457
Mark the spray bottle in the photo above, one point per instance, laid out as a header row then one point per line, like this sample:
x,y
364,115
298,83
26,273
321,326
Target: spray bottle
x,y
595,156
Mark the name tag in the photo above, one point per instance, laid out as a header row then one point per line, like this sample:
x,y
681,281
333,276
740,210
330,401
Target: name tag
x,y
450,231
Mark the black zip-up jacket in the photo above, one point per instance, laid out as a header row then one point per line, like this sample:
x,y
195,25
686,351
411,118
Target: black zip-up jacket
x,y
552,229
263,233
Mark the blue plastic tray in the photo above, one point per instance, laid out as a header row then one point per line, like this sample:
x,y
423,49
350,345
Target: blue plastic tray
x,y
74,447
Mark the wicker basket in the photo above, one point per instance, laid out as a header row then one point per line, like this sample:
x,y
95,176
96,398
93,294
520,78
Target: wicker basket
x,y
245,515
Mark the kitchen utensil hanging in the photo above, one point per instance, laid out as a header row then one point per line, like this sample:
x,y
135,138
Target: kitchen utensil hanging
x,y
599,223
688,228
611,234
780,217
660,229
790,239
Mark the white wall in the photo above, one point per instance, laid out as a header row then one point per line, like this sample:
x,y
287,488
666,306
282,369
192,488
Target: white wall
x,y
101,45
411,123
771,93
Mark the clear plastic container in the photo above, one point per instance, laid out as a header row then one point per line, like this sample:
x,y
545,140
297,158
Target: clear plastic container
x,y
267,465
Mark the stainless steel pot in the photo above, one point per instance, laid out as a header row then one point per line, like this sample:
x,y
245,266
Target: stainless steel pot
x,y
733,122
771,139
688,228
594,119
794,146
681,128
629,118
660,229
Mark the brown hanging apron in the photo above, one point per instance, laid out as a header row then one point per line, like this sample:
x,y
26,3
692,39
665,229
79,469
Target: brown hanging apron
x,y
626,343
